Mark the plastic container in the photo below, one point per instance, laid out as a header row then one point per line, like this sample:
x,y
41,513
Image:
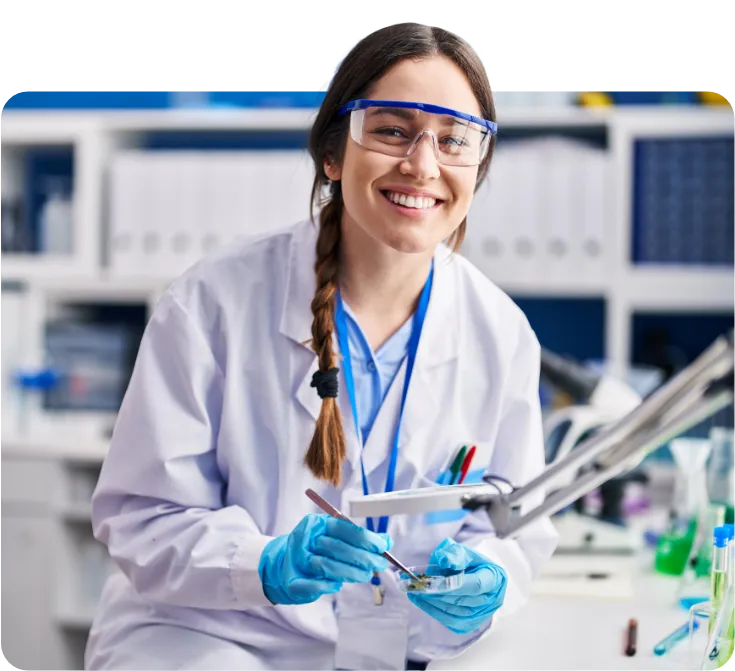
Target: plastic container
x,y
434,579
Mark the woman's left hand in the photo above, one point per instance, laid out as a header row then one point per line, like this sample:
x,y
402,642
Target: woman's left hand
x,y
470,606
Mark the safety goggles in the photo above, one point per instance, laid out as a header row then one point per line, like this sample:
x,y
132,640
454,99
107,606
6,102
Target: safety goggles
x,y
395,128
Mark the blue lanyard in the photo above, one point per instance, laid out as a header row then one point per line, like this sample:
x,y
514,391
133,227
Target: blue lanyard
x,y
413,344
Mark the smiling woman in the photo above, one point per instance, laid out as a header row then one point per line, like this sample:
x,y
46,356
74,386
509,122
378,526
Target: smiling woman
x,y
236,404
392,154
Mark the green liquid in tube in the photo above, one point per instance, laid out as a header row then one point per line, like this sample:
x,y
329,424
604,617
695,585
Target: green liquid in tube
x,y
719,583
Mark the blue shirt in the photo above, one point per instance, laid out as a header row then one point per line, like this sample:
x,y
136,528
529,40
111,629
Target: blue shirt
x,y
374,372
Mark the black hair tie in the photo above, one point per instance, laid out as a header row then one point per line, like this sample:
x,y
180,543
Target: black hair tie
x,y
326,383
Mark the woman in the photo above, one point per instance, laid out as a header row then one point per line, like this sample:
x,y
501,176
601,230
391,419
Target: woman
x,y
260,362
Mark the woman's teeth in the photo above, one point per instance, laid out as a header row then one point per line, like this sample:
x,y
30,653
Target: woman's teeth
x,y
416,202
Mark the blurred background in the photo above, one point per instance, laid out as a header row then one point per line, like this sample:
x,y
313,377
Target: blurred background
x,y
607,216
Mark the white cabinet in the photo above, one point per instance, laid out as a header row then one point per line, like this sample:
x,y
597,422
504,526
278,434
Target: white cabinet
x,y
30,638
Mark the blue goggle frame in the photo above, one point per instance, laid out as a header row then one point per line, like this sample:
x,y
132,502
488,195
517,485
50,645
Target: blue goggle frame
x,y
364,103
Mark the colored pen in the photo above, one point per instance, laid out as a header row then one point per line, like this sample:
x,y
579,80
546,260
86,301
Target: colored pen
x,y
466,464
457,464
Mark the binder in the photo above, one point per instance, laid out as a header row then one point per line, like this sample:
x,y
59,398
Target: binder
x,y
594,217
170,208
559,248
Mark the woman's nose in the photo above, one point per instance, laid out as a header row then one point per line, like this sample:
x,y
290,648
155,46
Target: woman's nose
x,y
422,162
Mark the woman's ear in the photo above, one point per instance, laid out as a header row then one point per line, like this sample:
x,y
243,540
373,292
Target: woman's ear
x,y
333,171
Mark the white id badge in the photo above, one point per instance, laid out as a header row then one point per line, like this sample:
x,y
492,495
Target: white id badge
x,y
370,636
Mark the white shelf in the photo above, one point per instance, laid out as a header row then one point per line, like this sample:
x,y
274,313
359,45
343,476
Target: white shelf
x,y
553,116
215,119
39,127
80,619
76,512
32,267
101,287
660,288
79,448
30,128
554,288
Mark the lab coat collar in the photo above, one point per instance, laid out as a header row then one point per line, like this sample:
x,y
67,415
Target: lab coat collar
x,y
439,345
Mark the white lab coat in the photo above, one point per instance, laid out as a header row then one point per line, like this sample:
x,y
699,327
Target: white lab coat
x,y
206,462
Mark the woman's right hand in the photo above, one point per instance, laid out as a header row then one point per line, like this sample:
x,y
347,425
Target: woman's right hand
x,y
320,554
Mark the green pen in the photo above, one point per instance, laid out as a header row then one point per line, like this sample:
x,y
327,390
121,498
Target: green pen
x,y
456,466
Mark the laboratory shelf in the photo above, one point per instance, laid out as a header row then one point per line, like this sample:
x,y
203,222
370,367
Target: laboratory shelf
x,y
80,619
42,128
214,119
577,300
76,449
103,288
553,288
27,268
76,512
703,288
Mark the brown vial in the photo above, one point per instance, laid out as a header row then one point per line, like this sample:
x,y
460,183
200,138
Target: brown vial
x,y
630,643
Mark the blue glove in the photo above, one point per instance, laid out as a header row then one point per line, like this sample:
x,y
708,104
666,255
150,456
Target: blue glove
x,y
320,554
469,607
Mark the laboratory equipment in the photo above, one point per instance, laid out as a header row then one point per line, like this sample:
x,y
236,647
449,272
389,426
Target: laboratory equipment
x,y
94,362
722,609
720,640
694,584
331,510
600,399
697,392
414,501
679,634
29,381
631,640
719,573
430,579
720,469
56,219
698,621
692,520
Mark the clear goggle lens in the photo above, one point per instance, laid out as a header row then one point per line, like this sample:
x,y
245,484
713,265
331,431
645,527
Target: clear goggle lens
x,y
397,131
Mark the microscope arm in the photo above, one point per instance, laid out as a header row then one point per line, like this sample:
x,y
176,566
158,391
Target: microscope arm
x,y
697,392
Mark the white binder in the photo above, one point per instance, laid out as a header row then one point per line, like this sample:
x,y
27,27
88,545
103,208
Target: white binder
x,y
169,209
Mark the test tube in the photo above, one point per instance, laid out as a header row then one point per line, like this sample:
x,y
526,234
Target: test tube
x,y
720,562
731,551
730,586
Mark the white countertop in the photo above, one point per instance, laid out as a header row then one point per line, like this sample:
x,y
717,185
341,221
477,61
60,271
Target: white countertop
x,y
556,632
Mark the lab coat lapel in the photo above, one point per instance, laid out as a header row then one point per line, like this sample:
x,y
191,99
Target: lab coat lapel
x,y
296,317
438,347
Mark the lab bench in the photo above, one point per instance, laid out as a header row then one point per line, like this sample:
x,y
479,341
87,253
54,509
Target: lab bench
x,y
584,632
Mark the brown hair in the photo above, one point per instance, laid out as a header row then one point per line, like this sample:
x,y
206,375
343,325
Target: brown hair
x,y
368,61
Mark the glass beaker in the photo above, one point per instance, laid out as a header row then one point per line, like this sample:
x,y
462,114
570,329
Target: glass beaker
x,y
698,626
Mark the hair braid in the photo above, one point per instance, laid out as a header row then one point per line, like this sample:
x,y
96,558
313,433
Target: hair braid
x,y
327,449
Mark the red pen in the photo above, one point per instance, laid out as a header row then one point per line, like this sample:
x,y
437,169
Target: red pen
x,y
466,464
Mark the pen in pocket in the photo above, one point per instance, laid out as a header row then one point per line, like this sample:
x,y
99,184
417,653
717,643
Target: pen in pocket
x,y
466,464
456,466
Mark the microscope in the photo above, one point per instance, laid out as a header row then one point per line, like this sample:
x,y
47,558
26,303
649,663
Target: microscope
x,y
697,392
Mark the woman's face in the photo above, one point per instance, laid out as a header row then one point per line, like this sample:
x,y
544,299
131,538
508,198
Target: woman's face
x,y
368,177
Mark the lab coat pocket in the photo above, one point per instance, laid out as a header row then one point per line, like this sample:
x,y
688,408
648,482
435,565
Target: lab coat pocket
x,y
370,636
441,516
